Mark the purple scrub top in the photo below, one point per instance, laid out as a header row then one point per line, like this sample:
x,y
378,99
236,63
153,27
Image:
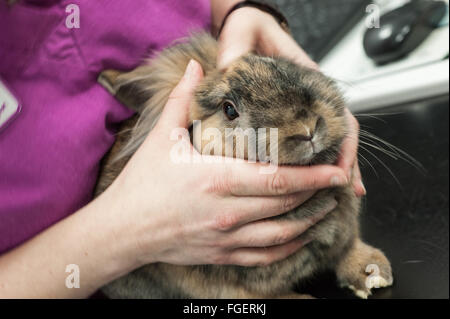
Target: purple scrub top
x,y
50,151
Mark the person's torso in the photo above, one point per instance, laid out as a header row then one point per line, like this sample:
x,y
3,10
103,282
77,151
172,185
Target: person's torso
x,y
50,152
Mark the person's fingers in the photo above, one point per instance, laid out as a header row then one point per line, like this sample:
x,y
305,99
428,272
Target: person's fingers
x,y
358,185
276,42
250,257
176,111
245,179
233,43
267,38
275,232
349,150
244,210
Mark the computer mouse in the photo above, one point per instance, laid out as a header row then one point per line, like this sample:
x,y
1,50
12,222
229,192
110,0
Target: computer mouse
x,y
403,30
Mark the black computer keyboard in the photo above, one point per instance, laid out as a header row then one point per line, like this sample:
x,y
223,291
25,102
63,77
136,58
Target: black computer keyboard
x,y
319,24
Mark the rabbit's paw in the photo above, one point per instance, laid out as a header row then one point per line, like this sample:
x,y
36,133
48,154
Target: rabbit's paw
x,y
363,269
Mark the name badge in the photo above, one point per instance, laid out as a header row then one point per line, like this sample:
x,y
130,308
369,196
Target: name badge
x,y
9,106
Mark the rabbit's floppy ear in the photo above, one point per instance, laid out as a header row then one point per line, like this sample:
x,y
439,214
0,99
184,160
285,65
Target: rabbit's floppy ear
x,y
127,87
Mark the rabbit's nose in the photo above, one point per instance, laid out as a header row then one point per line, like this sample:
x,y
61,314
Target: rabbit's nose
x,y
302,138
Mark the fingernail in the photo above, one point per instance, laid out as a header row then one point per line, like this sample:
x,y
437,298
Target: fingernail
x,y
363,187
337,181
190,70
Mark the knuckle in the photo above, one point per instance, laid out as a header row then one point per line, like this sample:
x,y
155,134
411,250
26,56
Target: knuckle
x,y
312,182
220,184
226,221
277,184
226,244
248,240
215,185
253,241
175,96
178,93
284,236
217,245
288,203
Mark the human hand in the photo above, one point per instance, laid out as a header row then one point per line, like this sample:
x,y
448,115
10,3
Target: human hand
x,y
204,213
249,29
348,159
252,30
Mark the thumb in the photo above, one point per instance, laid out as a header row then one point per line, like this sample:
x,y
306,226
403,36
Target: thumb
x,y
233,47
176,111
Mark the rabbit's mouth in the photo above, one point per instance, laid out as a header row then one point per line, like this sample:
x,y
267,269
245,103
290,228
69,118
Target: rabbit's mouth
x,y
301,150
310,154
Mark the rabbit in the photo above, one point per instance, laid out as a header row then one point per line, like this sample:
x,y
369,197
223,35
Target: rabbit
x,y
254,92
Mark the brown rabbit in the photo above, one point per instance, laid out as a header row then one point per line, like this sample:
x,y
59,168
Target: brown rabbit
x,y
255,92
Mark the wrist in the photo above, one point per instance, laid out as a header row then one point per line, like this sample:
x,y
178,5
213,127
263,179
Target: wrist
x,y
117,236
137,232
219,9
250,16
262,7
87,239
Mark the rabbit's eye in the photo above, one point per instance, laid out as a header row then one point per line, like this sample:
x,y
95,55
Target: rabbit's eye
x,y
230,110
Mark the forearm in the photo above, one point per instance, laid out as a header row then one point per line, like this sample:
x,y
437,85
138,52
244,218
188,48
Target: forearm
x,y
89,239
219,8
